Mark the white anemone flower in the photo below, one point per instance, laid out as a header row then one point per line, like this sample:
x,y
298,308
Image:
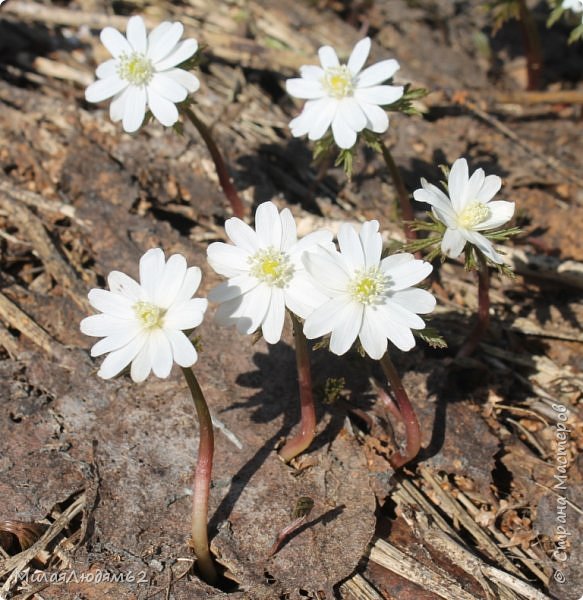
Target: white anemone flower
x,y
144,323
344,96
265,272
468,210
368,297
143,73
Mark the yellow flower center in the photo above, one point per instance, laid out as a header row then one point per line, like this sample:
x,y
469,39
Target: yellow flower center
x,y
149,314
271,266
135,68
338,82
474,213
367,286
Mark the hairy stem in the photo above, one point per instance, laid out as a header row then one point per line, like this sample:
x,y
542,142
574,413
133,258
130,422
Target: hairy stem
x,y
404,202
229,190
202,481
412,431
532,46
481,326
304,438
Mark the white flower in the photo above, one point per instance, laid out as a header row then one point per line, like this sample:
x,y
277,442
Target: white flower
x,y
265,272
574,5
368,298
468,209
343,96
143,323
142,73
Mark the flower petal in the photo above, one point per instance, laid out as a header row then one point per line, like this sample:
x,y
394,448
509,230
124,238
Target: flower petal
x,y
102,89
115,42
432,195
304,121
160,353
302,296
117,360
157,33
377,73
416,300
404,315
501,212
372,338
324,319
372,243
350,110
311,72
233,288
228,260
117,106
120,283
328,269
328,57
491,187
189,285
407,273
453,242
151,271
116,341
134,108
351,247
475,183
310,242
164,42
272,325
136,34
167,87
107,69
457,184
484,245
268,225
103,325
379,94
377,118
183,351
344,136
141,364
358,56
187,315
289,236
111,304
181,53
398,333
326,112
247,311
170,282
346,327
242,235
163,109
187,80
306,89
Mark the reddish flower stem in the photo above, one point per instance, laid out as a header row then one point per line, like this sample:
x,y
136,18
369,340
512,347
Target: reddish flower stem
x,y
481,326
229,190
407,412
201,482
404,202
532,46
304,438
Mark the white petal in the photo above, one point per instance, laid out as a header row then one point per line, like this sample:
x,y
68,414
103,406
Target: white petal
x,y
394,329
170,282
324,319
346,327
379,94
116,341
328,57
377,73
432,195
232,289
326,112
164,110
310,242
107,69
164,42
491,187
311,72
134,108
119,359
120,283
183,350
241,234
187,80
105,88
484,245
103,325
501,212
160,353
167,87
141,364
115,42
306,89
247,311
358,56
406,274
351,247
377,118
372,337
272,325
404,315
111,304
187,315
189,285
475,184
289,236
228,260
416,300
157,33
151,271
453,243
302,296
181,53
268,225
136,34
372,243
328,269
344,136
351,112
395,260
457,184
117,107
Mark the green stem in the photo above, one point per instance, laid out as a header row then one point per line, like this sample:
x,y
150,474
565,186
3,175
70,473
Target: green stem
x,y
202,481
229,190
404,202
483,321
532,46
412,430
304,438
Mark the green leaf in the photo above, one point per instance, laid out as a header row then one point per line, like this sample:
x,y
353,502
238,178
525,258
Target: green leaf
x,y
430,336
